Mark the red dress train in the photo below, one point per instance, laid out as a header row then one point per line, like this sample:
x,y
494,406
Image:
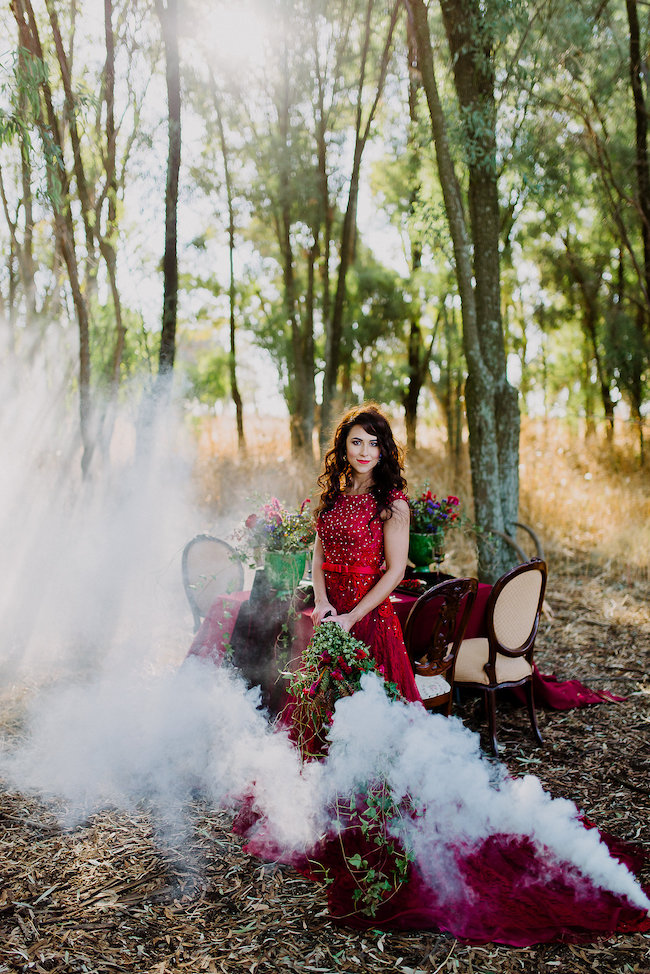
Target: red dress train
x,y
513,891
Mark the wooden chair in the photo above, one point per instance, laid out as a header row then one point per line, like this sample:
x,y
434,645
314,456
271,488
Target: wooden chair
x,y
433,633
209,569
504,658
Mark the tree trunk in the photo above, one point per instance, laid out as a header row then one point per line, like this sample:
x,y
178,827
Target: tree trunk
x,y
589,292
418,356
106,240
26,256
641,144
168,15
234,387
326,208
301,391
492,405
334,326
64,231
642,318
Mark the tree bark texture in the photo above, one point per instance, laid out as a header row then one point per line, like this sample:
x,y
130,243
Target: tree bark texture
x,y
492,404
334,326
168,15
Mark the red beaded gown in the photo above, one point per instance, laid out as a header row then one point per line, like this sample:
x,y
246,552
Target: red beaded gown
x,y
513,891
352,537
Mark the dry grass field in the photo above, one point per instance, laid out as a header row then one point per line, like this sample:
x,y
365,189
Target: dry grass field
x,y
112,896
587,500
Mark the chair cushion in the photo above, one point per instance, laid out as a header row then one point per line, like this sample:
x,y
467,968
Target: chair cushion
x,y
431,686
472,657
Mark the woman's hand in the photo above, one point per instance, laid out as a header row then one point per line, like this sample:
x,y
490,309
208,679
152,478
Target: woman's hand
x,y
322,610
345,621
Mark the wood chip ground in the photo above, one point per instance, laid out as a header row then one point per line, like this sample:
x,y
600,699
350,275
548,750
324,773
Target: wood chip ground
x,y
112,896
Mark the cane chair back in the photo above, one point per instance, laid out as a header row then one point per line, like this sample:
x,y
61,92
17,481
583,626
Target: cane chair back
x,y
504,657
209,569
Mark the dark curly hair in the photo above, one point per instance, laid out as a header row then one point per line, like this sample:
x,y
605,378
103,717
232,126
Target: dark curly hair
x,y
387,474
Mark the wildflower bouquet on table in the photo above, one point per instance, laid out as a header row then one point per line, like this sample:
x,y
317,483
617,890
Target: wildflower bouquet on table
x,y
332,666
433,515
274,528
431,518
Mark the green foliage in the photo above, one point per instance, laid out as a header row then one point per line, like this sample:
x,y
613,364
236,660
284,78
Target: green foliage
x,y
208,379
564,158
627,347
371,819
332,666
138,353
366,823
274,528
21,86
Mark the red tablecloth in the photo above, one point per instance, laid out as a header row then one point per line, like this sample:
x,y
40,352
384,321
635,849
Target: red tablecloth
x,y
213,638
213,635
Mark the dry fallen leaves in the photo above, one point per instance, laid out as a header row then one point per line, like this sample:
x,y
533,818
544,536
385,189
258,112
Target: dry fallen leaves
x,y
112,896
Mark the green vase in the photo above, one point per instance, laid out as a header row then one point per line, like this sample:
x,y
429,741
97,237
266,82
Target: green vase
x,y
424,549
284,570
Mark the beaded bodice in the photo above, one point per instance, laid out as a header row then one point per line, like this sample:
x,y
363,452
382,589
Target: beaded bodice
x,y
352,535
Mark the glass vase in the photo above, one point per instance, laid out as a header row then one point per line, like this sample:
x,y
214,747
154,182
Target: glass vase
x,y
426,549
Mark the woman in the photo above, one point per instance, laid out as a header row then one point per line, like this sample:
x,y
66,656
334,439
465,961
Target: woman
x,y
362,541
420,831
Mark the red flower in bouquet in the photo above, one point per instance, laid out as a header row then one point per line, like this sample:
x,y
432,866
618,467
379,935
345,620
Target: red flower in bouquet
x,y
274,528
433,515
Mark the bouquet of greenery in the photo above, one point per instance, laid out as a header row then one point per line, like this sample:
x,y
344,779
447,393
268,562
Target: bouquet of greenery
x,y
274,528
367,847
332,666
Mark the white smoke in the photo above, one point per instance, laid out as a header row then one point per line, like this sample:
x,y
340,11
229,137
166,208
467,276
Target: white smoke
x,y
93,620
461,797
86,568
163,736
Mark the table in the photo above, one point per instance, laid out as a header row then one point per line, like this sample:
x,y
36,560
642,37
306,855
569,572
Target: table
x,y
214,639
251,632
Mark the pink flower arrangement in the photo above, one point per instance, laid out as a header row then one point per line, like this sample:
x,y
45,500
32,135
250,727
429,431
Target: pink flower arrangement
x,y
275,528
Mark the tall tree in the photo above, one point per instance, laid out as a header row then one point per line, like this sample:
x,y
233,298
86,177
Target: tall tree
x,y
51,131
419,352
361,135
491,402
168,16
232,289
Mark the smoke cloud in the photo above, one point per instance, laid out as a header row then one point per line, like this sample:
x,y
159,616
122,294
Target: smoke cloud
x,y
165,736
95,627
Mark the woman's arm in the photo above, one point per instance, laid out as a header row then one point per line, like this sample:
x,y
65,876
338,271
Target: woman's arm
x,y
396,546
322,606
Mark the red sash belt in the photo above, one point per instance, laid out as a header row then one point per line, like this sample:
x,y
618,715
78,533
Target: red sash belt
x,y
350,569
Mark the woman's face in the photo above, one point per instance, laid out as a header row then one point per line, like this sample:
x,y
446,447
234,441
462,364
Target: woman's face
x,y
362,450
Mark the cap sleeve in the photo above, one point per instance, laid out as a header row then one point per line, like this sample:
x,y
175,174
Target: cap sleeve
x,y
397,495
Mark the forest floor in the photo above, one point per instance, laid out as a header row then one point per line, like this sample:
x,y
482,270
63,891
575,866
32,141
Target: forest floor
x,y
113,896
